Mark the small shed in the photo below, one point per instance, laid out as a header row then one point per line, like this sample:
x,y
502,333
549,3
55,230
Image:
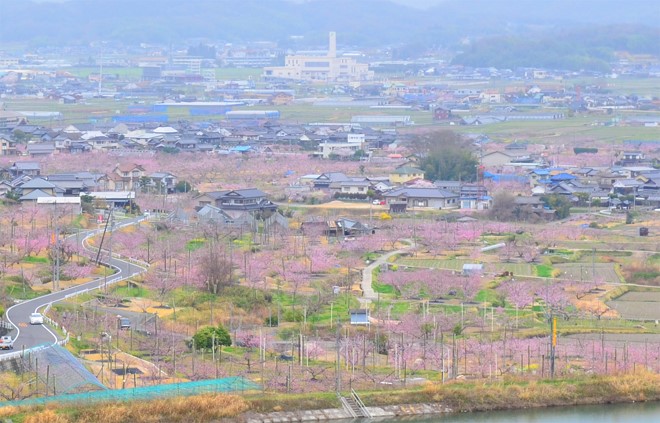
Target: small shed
x,y
359,317
472,268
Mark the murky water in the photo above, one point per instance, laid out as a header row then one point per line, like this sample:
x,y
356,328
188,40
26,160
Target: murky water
x,y
648,412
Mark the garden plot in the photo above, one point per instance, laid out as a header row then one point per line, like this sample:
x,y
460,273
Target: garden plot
x,y
619,339
604,272
638,305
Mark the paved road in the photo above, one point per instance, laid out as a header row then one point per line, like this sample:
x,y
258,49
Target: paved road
x,y
28,336
368,275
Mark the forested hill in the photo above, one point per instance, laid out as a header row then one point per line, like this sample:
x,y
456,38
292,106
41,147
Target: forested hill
x,y
361,23
591,48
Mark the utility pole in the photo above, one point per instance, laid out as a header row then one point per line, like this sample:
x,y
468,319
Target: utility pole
x,y
593,264
553,344
105,229
56,272
337,358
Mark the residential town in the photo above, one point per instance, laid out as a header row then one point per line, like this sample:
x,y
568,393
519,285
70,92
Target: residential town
x,y
628,175
251,220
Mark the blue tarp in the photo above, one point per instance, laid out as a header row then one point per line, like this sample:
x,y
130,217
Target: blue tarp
x,y
206,111
504,177
140,118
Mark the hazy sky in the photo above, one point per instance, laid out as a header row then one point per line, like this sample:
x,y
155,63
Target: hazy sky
x,y
420,4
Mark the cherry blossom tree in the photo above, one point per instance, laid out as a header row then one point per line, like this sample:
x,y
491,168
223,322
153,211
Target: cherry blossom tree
x,y
321,259
257,267
554,297
518,293
295,273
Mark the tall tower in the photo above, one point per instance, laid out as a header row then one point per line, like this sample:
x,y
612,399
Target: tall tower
x,y
332,50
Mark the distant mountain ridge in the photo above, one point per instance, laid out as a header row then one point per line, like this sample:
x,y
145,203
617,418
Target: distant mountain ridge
x,y
364,23
573,49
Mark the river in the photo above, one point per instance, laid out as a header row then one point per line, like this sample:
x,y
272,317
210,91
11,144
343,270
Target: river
x,y
648,412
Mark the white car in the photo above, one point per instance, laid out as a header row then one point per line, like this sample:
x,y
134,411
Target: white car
x,y
6,343
36,319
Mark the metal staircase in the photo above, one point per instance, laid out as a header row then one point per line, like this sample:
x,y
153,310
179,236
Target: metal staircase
x,y
354,406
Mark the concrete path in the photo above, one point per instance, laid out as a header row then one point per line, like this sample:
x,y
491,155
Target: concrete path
x,y
367,274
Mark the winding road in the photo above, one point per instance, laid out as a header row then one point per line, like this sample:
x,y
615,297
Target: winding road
x,y
28,336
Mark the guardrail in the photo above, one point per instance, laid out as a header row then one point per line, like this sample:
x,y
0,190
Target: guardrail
x,y
11,356
139,263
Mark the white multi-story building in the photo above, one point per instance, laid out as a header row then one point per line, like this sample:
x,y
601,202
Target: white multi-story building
x,y
321,68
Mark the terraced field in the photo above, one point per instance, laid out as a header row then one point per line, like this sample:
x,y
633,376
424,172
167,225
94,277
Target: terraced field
x,y
638,305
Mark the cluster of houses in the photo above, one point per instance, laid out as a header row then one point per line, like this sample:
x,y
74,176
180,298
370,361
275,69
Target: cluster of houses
x,y
512,102
24,182
18,137
403,189
619,187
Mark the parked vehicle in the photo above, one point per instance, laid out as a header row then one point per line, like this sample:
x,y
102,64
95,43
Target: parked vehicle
x,y
286,357
6,343
124,323
36,319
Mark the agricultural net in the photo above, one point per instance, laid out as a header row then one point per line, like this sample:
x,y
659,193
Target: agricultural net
x,y
230,384
58,371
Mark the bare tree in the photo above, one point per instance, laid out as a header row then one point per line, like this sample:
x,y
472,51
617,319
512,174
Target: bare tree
x,y
215,268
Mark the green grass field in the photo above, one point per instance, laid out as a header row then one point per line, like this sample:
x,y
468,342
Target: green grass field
x,y
35,259
571,129
133,291
520,269
544,271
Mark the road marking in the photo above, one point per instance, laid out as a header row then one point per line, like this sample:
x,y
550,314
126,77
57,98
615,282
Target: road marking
x,y
23,324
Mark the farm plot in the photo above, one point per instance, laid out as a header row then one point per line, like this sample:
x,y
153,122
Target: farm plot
x,y
604,272
638,305
619,339
518,269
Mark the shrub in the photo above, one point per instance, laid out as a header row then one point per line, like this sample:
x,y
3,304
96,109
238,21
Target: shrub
x,y
583,150
293,316
205,337
271,321
183,186
246,298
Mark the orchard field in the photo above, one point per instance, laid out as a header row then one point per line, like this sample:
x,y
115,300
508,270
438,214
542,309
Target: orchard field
x,y
283,292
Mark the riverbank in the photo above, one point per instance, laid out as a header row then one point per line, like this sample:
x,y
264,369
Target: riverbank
x,y
464,396
432,398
